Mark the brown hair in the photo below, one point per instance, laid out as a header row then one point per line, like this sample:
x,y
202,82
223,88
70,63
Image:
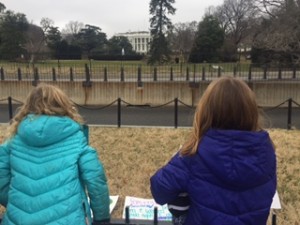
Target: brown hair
x,y
48,100
227,103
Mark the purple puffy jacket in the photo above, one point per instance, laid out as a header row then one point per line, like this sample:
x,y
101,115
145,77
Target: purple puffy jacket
x,y
230,181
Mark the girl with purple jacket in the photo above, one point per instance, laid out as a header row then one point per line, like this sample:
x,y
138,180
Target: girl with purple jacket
x,y
228,165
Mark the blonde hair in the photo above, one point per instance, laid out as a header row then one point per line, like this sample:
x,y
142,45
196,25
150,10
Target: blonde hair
x,y
45,99
227,103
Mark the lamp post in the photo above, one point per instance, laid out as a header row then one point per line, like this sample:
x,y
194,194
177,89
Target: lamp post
x,y
122,55
122,68
90,65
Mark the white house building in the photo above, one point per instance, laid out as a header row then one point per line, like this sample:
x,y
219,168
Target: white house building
x,y
140,40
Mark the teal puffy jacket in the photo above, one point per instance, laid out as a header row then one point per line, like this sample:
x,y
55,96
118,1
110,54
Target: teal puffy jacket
x,y
46,169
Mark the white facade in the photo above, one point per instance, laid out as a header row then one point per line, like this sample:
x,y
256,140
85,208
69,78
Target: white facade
x,y
140,40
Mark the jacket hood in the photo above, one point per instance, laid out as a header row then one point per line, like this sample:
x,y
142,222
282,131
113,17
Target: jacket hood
x,y
239,159
43,130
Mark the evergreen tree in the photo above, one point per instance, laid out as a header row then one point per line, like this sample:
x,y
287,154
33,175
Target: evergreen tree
x,y
209,39
160,23
91,38
2,7
116,45
53,38
12,34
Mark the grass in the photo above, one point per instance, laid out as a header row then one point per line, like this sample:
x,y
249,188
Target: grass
x,y
193,67
131,155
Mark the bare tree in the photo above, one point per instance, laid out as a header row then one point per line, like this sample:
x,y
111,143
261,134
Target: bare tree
x,y
71,30
182,39
73,27
236,17
46,23
280,33
34,41
269,7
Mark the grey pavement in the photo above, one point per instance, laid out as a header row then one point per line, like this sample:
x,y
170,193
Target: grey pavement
x,y
160,116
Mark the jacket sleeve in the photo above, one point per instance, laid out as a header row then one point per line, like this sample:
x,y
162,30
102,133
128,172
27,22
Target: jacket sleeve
x,y
169,181
93,175
4,174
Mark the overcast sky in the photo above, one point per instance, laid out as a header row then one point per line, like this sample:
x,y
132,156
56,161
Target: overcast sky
x,y
112,16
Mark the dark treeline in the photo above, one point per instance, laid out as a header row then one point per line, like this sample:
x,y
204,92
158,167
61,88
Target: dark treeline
x,y
263,32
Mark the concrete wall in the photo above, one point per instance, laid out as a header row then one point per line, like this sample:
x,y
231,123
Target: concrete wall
x,y
272,93
269,93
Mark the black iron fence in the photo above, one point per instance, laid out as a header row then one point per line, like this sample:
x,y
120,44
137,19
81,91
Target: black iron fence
x,y
145,73
155,221
174,113
128,221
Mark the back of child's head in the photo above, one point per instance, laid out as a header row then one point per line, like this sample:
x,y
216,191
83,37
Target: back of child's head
x,y
49,100
227,103
46,99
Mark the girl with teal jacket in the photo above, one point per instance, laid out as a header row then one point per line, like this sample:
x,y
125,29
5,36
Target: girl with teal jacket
x,y
47,168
